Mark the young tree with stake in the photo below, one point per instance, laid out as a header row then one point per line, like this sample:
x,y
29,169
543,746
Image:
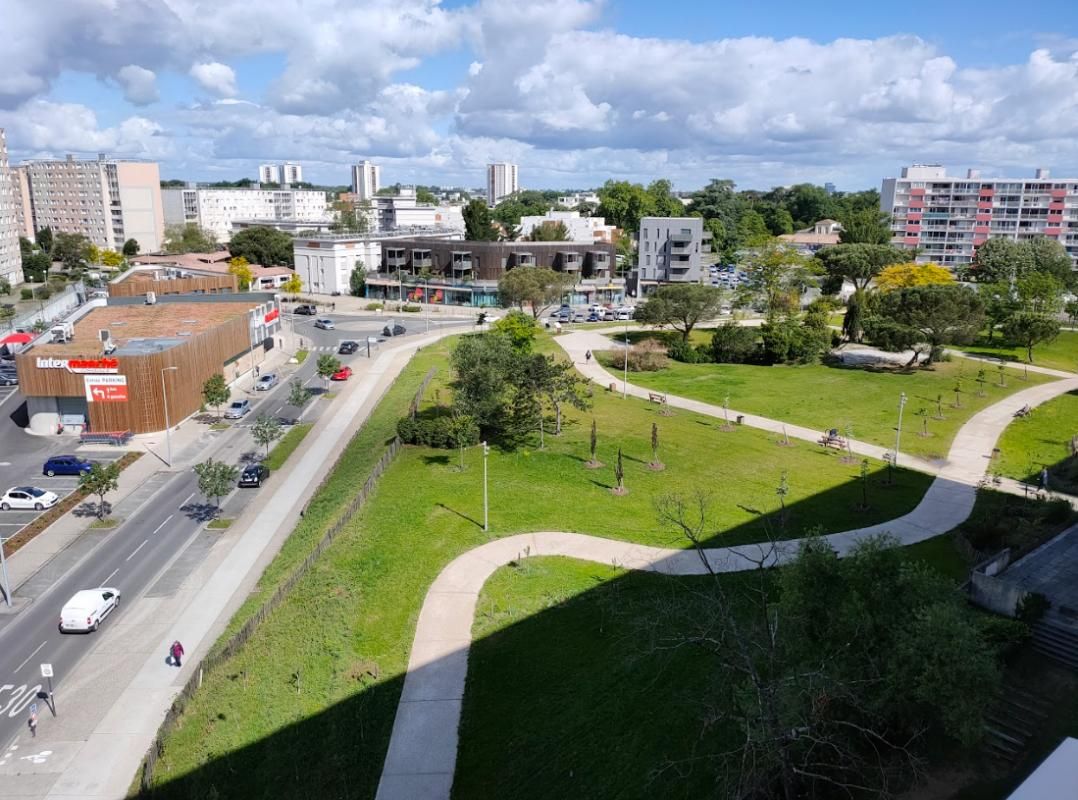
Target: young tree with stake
x,y
215,392
215,479
266,430
99,481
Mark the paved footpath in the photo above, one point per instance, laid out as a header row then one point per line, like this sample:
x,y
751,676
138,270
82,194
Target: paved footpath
x,y
422,750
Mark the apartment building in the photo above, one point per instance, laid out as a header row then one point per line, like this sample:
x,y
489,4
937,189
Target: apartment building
x,y
10,257
20,185
575,199
280,173
366,180
501,182
948,218
671,250
579,229
216,209
268,173
387,213
107,200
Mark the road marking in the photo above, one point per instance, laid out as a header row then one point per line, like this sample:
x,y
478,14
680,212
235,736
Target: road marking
x,y
278,411
109,578
136,550
188,499
163,524
23,664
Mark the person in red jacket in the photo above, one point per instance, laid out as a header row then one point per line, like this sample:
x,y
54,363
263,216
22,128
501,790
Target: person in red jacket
x,y
177,652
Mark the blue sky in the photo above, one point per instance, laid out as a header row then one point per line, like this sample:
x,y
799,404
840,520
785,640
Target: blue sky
x,y
575,91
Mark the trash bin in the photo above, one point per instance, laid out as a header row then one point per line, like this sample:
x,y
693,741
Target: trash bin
x,y
740,418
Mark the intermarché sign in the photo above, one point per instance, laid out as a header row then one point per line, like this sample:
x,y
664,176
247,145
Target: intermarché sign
x,y
80,365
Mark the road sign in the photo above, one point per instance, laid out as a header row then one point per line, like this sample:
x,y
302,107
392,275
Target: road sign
x,y
46,670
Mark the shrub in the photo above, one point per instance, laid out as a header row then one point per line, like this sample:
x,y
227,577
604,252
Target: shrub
x,y
1032,607
824,305
681,350
374,306
733,344
410,309
43,293
647,356
435,432
26,294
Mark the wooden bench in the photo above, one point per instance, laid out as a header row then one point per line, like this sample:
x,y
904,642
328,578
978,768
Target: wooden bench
x,y
655,397
1024,411
836,442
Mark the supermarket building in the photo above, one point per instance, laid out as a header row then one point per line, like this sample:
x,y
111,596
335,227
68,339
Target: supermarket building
x,y
128,367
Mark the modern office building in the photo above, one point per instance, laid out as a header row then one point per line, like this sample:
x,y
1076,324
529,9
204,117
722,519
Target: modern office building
x,y
107,200
670,250
467,273
366,180
10,256
216,209
948,218
578,228
280,173
501,182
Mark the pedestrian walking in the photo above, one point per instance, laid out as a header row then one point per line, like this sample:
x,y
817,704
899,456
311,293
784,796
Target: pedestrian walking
x,y
1044,479
587,357
32,723
258,369
177,653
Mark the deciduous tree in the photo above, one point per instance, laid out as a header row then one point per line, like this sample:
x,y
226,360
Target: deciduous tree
x,y
99,481
241,268
536,287
549,232
478,223
215,392
867,226
681,306
261,245
266,430
131,247
357,280
903,276
216,479
1001,260
1029,328
294,284
327,366
189,238
925,317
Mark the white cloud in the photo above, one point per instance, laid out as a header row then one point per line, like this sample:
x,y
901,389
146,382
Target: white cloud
x,y
46,129
139,84
215,77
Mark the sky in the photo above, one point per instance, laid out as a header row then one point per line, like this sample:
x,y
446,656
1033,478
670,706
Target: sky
x,y
574,91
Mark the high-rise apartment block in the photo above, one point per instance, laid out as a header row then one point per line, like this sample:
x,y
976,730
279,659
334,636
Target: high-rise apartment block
x,y
291,173
948,218
501,182
106,200
280,173
216,209
366,180
10,257
268,173
670,250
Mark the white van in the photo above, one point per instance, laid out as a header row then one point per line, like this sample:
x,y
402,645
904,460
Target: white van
x,y
625,313
87,608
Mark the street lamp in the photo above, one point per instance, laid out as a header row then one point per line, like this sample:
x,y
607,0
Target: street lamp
x,y
625,378
486,505
898,434
3,574
168,432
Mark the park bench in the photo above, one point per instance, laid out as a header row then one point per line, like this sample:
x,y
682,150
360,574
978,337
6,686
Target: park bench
x,y
655,397
1024,411
105,437
832,439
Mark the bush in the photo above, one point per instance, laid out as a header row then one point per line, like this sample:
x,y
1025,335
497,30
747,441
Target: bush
x,y
647,356
374,306
410,309
1032,607
26,294
787,342
435,432
823,305
43,292
682,351
733,344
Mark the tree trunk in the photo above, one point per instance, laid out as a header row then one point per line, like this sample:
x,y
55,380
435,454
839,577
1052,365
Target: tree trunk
x,y
1029,353
557,419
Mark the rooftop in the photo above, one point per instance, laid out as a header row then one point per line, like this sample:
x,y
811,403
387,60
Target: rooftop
x,y
137,330
207,263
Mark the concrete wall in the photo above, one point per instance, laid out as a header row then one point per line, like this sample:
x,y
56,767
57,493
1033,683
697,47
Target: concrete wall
x,y
141,204
988,590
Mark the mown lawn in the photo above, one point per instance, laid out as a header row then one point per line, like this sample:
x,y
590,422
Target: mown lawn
x,y
1043,439
832,396
1060,354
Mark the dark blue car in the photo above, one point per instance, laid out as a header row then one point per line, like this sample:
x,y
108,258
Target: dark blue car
x,y
66,465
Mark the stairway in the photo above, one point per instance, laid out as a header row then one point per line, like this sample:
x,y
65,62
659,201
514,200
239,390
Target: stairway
x,y
1015,717
1056,639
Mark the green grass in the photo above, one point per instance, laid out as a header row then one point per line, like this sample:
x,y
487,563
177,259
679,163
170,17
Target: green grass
x,y
1060,354
107,522
289,442
220,524
820,396
1043,439
301,355
220,426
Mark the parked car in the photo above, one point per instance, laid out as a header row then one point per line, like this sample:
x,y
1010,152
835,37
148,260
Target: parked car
x,y
66,465
347,348
594,317
237,409
305,311
396,330
609,314
579,316
253,475
324,324
8,378
343,374
87,608
27,497
267,382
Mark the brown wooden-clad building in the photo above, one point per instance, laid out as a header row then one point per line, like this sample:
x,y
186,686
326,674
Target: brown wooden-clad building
x,y
85,383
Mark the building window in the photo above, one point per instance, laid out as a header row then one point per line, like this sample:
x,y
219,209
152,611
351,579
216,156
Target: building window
x,y
648,260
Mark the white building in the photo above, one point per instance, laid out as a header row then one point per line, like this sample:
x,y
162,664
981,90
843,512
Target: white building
x,y
366,180
571,201
399,211
580,229
324,263
10,257
215,209
501,182
291,173
280,173
107,200
268,173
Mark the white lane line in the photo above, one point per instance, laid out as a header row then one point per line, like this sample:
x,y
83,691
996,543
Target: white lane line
x,y
23,664
278,411
163,524
186,501
109,578
136,550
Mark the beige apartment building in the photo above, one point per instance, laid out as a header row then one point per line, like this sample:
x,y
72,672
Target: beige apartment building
x,y
107,200
10,258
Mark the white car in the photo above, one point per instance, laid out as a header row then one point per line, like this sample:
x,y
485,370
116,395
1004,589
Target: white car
x,y
266,382
238,409
87,608
324,324
28,497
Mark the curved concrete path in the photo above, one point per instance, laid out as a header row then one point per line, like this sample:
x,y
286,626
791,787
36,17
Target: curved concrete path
x,y
422,754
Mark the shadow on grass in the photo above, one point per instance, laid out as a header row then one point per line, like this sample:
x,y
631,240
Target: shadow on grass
x,y
460,514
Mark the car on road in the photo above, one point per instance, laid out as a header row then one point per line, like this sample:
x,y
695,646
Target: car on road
x,y
343,374
237,409
324,324
305,311
253,475
18,497
396,330
87,608
267,382
347,348
66,465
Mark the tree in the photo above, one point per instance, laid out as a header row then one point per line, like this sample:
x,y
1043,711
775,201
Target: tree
x,y
777,272
808,203
189,238
44,239
663,201
549,232
478,224
903,276
110,258
623,204
1039,293
752,230
100,480
519,328
721,208
1000,260
925,315
294,284
619,475
655,463
681,306
867,226
241,268
216,479
215,392
1029,328
350,218
298,394
732,343
35,267
328,364
1050,257
26,247
425,197
858,263
71,248
266,430
93,254
131,247
265,246
357,280
537,287
593,443
999,304
559,383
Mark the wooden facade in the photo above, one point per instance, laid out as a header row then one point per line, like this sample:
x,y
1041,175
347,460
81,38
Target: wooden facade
x,y
209,284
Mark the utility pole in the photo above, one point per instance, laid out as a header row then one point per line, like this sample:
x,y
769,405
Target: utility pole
x,y
625,377
3,574
898,434
168,428
486,505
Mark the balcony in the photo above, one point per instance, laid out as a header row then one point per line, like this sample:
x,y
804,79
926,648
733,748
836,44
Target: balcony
x,y
521,259
681,238
570,261
421,259
680,248
461,260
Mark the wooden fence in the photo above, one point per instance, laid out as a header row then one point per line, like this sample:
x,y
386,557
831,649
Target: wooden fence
x,y
220,656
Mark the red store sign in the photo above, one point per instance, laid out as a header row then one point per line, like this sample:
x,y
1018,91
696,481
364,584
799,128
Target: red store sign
x,y
80,365
273,315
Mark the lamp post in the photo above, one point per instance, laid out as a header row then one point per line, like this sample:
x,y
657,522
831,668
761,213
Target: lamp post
x,y
168,431
625,376
898,433
486,505
3,574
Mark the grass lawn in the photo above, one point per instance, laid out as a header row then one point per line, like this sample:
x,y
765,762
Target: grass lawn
x,y
1060,354
280,452
301,355
823,396
1043,439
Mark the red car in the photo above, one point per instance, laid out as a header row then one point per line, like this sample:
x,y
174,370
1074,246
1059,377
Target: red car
x,y
343,374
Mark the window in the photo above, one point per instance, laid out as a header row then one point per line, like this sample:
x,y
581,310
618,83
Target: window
x,y
647,260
